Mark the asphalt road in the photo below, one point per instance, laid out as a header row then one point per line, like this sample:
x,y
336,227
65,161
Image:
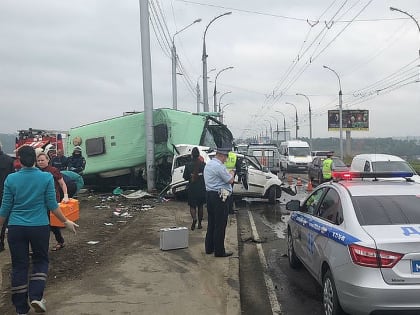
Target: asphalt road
x,y
268,284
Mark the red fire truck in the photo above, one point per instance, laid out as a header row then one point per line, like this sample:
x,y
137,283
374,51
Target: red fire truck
x,y
47,140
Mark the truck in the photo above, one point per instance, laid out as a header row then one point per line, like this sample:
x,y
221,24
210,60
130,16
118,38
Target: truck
x,y
295,155
267,154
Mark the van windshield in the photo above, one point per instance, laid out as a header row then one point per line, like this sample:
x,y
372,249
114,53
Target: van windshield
x,y
299,151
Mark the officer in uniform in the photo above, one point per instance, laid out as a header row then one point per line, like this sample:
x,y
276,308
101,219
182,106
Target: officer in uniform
x,y
218,190
327,167
231,167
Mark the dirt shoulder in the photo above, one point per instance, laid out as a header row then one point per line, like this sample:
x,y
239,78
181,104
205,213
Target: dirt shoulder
x,y
127,258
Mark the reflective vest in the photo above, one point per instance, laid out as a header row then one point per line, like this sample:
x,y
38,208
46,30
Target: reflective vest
x,y
231,161
327,168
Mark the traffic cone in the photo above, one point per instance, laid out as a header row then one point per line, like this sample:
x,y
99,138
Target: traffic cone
x,y
310,187
299,182
290,180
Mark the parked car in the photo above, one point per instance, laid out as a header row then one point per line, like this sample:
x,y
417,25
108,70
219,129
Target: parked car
x,y
315,168
359,239
319,153
251,180
382,163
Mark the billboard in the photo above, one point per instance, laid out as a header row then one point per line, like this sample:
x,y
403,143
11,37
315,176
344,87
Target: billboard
x,y
353,119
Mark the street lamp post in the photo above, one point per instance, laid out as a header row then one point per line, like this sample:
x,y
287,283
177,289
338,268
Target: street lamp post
x,y
174,62
284,124
297,121
310,118
222,118
271,129
220,100
198,90
340,105
204,59
412,17
215,89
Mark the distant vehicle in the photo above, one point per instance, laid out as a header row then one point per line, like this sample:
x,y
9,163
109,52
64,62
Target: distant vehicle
x,y
319,153
267,154
315,168
360,240
295,155
251,180
242,148
381,163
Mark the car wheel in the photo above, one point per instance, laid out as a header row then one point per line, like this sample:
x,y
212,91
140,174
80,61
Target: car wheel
x,y
273,195
294,262
329,296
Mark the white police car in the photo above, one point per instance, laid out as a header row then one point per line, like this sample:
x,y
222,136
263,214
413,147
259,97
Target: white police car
x,y
360,239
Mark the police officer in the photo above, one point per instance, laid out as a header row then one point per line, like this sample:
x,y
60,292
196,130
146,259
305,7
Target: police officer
x,y
327,167
230,164
218,190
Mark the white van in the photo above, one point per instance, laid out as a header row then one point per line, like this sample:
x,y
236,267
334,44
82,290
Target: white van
x,y
295,155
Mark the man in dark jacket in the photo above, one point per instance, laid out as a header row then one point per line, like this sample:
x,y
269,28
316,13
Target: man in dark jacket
x,y
76,162
6,167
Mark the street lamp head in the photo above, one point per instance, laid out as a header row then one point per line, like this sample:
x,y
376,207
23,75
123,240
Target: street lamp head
x,y
197,21
393,9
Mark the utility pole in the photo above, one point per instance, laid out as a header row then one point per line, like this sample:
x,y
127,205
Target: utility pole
x,y
147,94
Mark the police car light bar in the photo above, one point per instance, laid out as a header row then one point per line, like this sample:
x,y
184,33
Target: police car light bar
x,y
381,174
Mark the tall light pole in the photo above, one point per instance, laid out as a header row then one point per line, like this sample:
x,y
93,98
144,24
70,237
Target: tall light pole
x,y
412,17
271,129
204,59
220,100
222,111
310,118
174,62
215,89
284,124
297,121
198,90
340,106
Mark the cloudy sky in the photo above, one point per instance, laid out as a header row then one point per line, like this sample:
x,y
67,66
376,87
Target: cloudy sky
x,y
68,63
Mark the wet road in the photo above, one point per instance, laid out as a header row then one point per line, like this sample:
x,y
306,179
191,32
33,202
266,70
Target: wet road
x,y
268,284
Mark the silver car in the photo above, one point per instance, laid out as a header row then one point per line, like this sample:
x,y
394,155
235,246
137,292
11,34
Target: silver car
x,y
360,239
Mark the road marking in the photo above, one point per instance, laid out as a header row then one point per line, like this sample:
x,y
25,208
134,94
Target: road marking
x,y
275,306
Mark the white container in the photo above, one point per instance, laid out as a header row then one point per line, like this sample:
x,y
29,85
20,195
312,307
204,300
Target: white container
x,y
173,238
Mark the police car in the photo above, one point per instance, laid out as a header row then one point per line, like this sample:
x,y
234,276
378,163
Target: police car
x,y
360,239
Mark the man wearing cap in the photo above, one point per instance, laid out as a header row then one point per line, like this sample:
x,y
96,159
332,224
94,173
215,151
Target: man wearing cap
x,y
327,167
218,182
76,162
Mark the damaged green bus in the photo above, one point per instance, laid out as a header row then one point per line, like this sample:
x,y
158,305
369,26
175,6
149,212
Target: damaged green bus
x,y
115,149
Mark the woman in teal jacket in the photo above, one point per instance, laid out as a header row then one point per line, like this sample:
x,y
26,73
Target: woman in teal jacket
x,y
27,197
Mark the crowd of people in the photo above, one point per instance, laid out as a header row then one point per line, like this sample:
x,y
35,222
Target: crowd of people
x,y
32,186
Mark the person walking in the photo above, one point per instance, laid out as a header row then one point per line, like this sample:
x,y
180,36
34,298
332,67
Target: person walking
x,y
6,168
218,190
193,173
76,162
27,197
327,167
59,185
